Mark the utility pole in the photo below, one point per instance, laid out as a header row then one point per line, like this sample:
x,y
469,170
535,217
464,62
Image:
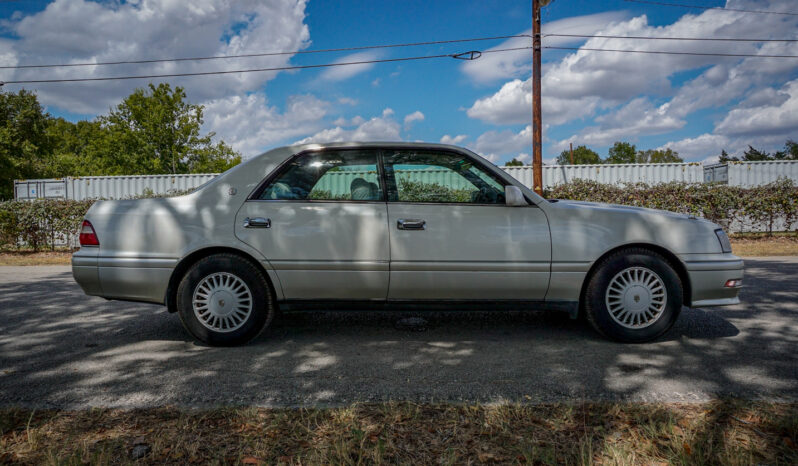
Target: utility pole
x,y
537,132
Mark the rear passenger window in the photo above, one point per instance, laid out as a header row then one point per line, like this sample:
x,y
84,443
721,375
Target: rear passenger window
x,y
350,175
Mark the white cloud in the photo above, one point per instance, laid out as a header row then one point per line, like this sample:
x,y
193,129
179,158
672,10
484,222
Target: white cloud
x,y
698,148
583,82
347,101
497,143
340,73
415,116
381,128
493,66
512,104
88,31
638,117
779,118
250,125
453,140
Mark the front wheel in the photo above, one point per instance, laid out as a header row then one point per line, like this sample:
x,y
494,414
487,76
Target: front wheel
x,y
634,296
225,300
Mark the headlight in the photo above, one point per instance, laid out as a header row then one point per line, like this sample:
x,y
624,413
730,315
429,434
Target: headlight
x,y
725,244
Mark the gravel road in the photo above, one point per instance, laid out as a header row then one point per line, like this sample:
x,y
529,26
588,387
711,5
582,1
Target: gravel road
x,y
59,348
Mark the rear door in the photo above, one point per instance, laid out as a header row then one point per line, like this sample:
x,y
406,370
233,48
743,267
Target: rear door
x,y
452,237
321,221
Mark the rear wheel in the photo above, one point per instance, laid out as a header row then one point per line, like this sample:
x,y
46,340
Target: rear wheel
x,y
634,296
225,300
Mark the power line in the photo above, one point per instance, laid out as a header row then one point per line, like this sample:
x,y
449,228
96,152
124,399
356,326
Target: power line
x,y
267,54
720,39
662,52
466,56
704,7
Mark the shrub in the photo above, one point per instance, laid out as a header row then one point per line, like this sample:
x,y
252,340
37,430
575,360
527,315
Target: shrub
x,y
759,208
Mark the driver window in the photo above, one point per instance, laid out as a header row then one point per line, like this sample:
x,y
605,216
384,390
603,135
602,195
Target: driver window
x,y
328,176
439,177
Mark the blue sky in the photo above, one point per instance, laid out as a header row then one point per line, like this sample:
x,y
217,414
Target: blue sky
x,y
695,105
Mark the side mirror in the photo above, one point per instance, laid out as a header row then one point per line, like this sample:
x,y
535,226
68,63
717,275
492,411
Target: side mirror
x,y
513,197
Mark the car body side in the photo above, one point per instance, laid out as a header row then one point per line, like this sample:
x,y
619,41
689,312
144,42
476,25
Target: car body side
x,y
146,244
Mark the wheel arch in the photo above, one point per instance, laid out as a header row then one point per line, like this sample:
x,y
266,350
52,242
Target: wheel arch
x,y
180,269
672,259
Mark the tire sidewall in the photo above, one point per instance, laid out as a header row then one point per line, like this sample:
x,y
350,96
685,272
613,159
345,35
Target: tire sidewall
x,y
262,307
598,288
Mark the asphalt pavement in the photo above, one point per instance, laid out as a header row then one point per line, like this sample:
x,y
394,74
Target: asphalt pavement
x,y
62,349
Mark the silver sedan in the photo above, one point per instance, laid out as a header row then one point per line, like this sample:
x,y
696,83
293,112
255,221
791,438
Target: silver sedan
x,y
397,225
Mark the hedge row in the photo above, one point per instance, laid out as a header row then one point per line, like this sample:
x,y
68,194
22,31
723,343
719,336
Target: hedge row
x,y
45,223
768,208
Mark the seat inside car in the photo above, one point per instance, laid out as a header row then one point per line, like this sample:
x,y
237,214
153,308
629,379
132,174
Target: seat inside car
x,y
363,190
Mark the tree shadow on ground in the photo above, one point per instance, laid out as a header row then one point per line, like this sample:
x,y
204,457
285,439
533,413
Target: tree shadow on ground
x,y
60,348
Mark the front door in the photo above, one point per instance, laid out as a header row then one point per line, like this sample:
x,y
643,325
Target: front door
x,y
321,221
452,237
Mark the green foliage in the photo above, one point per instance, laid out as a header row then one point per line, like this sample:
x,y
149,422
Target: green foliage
x,y
622,152
658,156
418,191
152,131
582,156
745,208
514,163
156,131
790,152
22,139
42,223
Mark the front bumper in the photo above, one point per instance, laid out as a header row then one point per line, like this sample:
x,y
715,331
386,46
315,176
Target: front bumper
x,y
708,275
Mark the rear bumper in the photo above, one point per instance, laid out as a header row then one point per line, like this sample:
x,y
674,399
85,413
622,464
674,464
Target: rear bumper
x,y
132,279
708,276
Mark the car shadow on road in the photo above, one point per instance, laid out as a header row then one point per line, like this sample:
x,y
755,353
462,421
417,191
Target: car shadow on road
x,y
60,348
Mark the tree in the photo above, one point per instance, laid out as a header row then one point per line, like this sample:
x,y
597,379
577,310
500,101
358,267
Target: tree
x,y
725,157
514,163
582,156
658,156
754,155
622,152
23,144
156,131
790,151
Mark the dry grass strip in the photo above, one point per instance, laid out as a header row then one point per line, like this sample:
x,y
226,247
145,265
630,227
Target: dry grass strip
x,y
720,432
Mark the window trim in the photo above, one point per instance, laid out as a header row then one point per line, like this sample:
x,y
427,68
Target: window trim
x,y
258,191
383,177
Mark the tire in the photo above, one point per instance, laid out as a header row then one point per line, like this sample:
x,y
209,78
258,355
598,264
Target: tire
x,y
225,300
634,296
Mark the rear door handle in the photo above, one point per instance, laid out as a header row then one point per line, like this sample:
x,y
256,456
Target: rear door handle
x,y
257,222
411,224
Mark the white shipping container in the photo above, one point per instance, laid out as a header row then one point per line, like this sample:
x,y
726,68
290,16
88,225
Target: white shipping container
x,y
748,174
650,173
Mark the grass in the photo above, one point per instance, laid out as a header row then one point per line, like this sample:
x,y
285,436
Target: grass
x,y
719,432
35,258
752,245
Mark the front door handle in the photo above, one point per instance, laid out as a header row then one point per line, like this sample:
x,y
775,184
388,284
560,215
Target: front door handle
x,y
411,224
257,222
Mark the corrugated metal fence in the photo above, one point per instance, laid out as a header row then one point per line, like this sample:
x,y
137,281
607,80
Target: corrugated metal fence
x,y
651,173
735,173
107,187
748,174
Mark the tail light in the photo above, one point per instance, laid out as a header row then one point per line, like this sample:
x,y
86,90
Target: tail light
x,y
87,235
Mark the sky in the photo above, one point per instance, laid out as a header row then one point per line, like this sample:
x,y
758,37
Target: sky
x,y
695,105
